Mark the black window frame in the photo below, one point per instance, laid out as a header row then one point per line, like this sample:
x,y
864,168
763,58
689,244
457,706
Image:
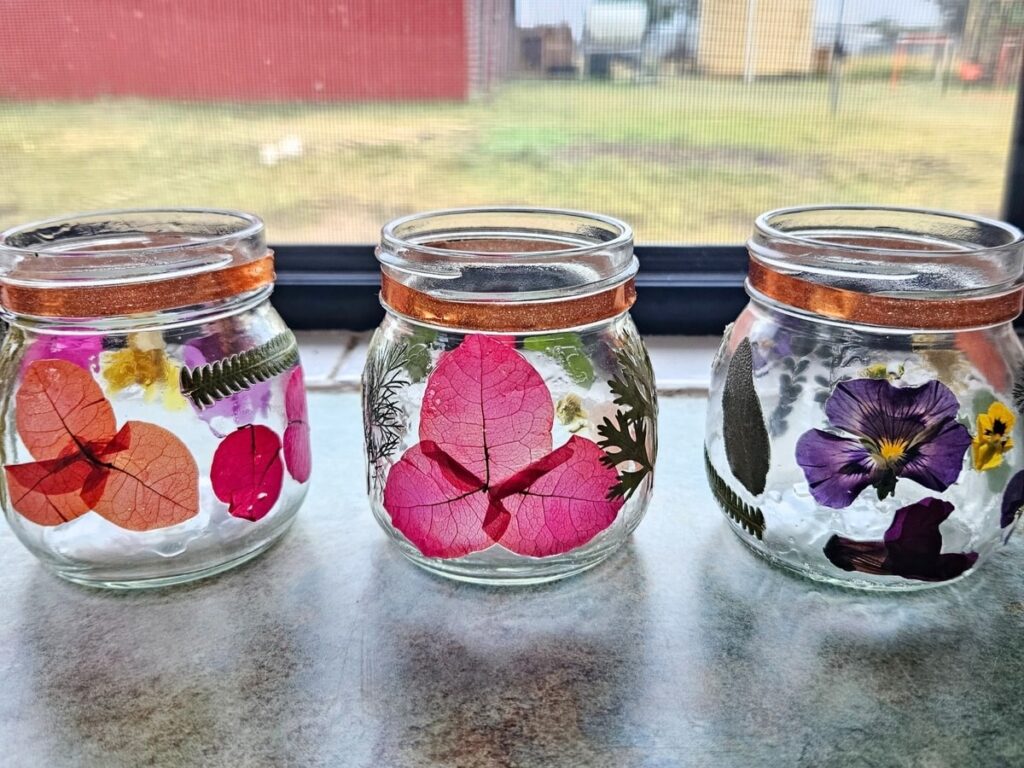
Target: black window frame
x,y
681,289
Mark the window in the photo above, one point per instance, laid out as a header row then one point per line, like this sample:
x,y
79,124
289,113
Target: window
x,y
687,118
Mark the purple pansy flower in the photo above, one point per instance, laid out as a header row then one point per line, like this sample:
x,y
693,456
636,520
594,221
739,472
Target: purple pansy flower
x,y
894,432
1013,500
911,548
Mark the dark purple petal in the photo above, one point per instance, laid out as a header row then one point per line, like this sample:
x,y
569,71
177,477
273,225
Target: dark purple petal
x,y
837,468
875,409
912,547
936,463
1013,499
863,556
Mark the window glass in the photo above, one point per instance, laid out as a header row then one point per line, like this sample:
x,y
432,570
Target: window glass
x,y
328,117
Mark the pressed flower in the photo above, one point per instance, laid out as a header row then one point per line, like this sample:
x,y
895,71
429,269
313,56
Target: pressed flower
x,y
570,412
83,351
911,548
993,439
891,433
1013,504
145,364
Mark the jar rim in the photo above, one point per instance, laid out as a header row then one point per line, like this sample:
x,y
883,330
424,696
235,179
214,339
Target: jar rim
x,y
393,239
765,225
888,266
119,262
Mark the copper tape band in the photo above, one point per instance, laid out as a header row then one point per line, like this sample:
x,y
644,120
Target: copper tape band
x,y
133,298
507,317
888,311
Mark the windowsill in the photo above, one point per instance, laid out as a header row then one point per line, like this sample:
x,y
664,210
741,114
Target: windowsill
x,y
333,360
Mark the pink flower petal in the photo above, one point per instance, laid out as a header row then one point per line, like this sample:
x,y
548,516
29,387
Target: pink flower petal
x,y
488,408
247,471
559,503
296,435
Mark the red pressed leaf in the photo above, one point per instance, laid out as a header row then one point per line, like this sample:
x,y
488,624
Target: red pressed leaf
x,y
560,502
296,435
152,480
436,503
247,471
58,405
488,408
140,478
49,492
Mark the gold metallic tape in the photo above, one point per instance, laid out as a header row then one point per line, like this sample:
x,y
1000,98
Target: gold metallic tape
x,y
887,311
134,298
507,317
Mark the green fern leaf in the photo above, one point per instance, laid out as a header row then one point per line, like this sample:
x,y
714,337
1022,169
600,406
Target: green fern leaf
x,y
751,519
204,385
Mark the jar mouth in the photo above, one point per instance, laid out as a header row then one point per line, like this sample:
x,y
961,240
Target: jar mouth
x,y
131,245
507,268
892,267
885,249
129,262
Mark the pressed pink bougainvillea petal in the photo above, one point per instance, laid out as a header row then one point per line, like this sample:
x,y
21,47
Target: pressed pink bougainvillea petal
x,y
247,471
153,480
60,405
297,455
436,503
488,408
566,506
48,492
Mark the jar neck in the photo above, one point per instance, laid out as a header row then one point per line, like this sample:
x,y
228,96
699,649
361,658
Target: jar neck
x,y
775,286
162,320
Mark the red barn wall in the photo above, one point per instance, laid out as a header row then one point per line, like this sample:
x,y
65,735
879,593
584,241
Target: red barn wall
x,y
245,50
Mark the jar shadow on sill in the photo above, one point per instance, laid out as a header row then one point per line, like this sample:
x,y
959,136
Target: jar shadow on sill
x,y
842,672
546,674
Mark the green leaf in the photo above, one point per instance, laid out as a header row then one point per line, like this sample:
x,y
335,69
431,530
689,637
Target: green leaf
x,y
750,518
417,354
384,420
747,445
206,384
567,350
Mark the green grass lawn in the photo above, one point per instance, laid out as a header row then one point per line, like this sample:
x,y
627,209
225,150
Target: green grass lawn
x,y
686,160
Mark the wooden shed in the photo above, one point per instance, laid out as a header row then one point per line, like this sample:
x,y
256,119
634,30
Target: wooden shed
x,y
754,38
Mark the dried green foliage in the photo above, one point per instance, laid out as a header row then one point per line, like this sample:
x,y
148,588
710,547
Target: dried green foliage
x,y
204,385
386,375
750,518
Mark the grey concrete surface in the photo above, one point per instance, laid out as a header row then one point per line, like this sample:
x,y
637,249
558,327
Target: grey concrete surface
x,y
682,650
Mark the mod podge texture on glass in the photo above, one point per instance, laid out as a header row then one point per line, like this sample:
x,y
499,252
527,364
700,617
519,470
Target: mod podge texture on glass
x,y
509,404
154,413
864,420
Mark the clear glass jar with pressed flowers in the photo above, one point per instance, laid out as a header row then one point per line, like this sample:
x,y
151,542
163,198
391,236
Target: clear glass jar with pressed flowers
x,y
154,414
864,421
509,404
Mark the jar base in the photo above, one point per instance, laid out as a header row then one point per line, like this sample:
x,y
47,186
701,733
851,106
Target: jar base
x,y
852,585
156,582
543,571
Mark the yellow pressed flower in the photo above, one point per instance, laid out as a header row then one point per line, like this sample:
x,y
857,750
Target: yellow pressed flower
x,y
570,412
143,363
993,438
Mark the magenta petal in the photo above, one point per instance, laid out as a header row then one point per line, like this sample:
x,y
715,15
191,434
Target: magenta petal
x,y
247,472
837,468
297,455
937,462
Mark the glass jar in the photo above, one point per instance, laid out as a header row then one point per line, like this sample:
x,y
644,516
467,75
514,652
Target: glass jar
x,y
863,426
509,404
154,414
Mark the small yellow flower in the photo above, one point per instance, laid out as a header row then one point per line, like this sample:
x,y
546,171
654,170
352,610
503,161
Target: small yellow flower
x,y
143,363
570,412
995,428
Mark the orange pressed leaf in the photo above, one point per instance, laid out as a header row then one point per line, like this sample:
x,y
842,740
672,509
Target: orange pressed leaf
x,y
153,480
60,406
48,492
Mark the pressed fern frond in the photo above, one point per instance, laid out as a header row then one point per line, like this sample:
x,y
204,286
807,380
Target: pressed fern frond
x,y
625,439
750,518
384,419
205,384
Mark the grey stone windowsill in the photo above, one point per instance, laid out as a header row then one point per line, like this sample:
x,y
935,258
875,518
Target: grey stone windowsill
x,y
682,650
